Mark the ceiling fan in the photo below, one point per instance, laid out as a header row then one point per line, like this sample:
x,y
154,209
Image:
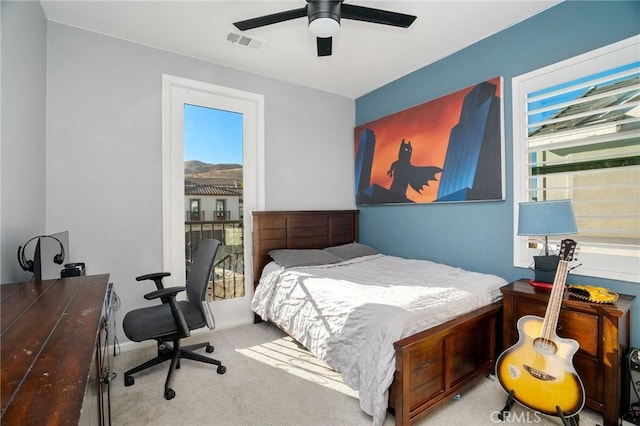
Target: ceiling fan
x,y
324,19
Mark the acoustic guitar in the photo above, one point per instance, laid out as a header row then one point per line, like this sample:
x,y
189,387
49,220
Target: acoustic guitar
x,y
538,370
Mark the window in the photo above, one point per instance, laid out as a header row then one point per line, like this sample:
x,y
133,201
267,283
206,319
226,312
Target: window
x,y
195,210
221,208
176,93
577,136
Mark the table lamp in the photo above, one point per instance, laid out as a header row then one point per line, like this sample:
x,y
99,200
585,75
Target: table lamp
x,y
544,218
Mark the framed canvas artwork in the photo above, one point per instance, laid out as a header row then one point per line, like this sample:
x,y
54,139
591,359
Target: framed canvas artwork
x,y
449,149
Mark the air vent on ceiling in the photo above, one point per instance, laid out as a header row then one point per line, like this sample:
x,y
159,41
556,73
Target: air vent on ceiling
x,y
244,40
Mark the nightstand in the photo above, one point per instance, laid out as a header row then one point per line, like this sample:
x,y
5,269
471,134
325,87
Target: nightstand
x,y
601,330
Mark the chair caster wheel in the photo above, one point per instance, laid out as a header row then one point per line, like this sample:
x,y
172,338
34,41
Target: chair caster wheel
x,y
128,380
221,369
169,394
209,349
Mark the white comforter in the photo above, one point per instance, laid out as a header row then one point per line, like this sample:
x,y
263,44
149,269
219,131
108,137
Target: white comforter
x,y
349,314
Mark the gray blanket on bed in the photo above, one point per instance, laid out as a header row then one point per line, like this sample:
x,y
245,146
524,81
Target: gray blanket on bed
x,y
349,314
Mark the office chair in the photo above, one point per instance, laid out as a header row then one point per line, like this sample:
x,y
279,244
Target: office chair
x,y
172,320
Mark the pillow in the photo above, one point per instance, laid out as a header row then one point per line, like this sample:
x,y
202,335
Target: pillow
x,y
351,250
288,258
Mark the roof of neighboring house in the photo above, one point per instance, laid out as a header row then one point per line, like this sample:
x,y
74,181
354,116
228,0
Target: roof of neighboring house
x,y
212,190
229,182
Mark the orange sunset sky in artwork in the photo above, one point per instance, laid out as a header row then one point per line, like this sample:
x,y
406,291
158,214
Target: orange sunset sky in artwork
x,y
428,127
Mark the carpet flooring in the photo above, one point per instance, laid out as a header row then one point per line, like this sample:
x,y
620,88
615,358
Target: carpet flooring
x,y
271,380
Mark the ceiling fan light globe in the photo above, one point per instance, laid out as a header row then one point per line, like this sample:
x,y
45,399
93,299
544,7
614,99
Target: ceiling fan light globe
x,y
324,27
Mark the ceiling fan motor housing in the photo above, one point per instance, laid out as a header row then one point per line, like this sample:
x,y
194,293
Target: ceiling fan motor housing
x,y
324,17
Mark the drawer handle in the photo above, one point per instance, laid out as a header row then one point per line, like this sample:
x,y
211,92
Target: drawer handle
x,y
426,364
559,327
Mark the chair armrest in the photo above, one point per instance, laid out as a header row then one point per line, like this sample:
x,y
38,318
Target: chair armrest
x,y
155,277
168,295
163,293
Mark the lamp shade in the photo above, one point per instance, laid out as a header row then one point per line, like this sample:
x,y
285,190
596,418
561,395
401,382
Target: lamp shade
x,y
547,218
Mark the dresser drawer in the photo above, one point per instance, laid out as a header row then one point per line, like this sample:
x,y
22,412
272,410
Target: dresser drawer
x,y
579,326
587,369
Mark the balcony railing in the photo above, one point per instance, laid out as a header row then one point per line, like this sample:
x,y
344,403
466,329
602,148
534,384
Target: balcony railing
x,y
227,280
210,215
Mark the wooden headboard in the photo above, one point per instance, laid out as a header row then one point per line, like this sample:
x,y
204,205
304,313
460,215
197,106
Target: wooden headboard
x,y
299,230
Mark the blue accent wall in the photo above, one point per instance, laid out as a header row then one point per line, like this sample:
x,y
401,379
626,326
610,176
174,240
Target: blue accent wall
x,y
479,236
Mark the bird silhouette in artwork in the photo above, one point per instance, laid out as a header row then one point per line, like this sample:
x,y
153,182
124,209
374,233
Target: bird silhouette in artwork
x,y
405,174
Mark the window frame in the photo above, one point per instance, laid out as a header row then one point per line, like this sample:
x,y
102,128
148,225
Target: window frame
x,y
610,261
177,91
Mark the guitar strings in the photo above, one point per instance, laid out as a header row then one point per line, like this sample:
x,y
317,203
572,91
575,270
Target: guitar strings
x,y
553,308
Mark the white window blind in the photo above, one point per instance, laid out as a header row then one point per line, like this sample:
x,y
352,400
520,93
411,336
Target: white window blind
x,y
578,138
584,144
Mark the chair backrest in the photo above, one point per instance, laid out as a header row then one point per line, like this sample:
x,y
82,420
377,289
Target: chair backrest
x,y
200,271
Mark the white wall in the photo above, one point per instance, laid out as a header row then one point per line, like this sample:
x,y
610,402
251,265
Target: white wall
x,y
104,149
22,134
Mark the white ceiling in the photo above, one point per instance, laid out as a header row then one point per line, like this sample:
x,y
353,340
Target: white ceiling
x,y
365,56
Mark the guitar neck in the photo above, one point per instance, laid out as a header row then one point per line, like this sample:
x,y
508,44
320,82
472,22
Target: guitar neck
x,y
555,301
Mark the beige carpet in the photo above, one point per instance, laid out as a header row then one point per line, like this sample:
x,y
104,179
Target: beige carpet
x,y
270,380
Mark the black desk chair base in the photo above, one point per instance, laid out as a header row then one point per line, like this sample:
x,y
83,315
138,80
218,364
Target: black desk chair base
x,y
174,353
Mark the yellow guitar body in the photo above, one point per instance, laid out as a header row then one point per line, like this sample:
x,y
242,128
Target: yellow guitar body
x,y
540,371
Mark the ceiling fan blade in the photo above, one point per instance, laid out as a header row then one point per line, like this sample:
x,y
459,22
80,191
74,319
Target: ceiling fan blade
x,y
377,16
274,18
324,46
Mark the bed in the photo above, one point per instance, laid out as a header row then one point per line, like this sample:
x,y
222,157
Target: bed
x,y
417,360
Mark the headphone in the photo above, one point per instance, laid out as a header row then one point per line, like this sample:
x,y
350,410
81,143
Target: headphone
x,y
27,265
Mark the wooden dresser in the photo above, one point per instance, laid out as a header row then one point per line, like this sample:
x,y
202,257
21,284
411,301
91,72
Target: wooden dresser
x,y
53,362
601,330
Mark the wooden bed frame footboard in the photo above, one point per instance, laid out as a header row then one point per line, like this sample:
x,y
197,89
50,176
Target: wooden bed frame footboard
x,y
435,364
432,365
